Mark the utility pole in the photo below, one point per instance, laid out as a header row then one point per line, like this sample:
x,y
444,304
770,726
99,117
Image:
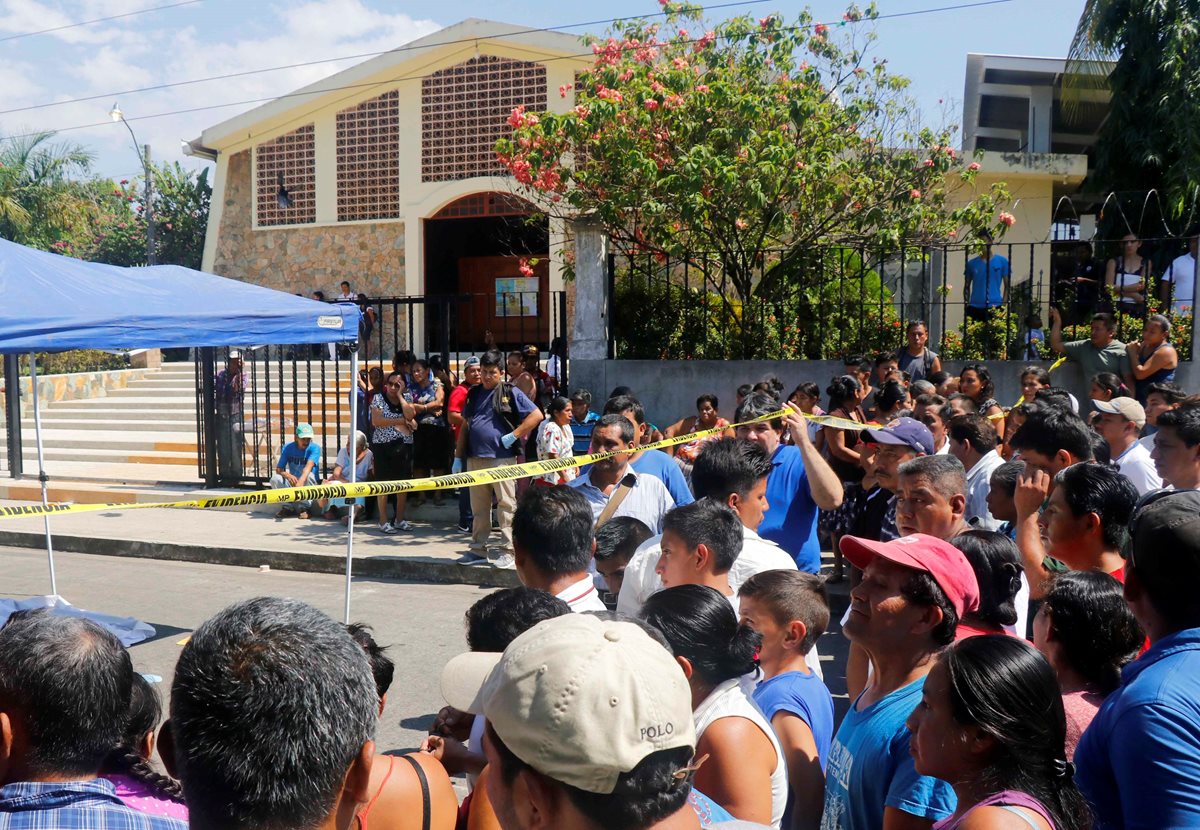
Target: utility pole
x,y
148,207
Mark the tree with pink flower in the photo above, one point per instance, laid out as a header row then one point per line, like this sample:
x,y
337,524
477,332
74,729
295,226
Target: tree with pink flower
x,y
745,149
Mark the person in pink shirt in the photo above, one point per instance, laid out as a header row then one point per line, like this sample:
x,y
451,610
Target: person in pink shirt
x,y
1087,632
128,765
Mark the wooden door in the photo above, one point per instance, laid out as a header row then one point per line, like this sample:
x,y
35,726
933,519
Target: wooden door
x,y
514,307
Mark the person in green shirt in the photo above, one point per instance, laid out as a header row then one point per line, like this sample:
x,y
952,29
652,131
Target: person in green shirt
x,y
1102,352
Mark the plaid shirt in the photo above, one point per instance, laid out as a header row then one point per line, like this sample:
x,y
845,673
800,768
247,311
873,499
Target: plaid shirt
x,y
73,805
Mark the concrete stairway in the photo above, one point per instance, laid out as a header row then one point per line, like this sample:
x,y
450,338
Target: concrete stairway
x,y
146,434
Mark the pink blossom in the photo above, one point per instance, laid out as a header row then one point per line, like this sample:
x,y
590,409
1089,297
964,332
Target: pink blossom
x,y
651,105
973,166
820,30
916,194
582,111
168,226
928,162
680,63
606,94
765,22
953,234
1007,219
124,181
683,33
514,120
564,89
741,224
702,89
525,268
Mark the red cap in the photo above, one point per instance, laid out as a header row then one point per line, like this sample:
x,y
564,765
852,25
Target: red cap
x,y
938,558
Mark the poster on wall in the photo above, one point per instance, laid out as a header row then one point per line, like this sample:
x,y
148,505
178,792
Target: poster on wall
x,y
517,297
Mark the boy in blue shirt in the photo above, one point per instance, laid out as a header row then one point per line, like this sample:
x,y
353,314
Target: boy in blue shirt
x,y
297,467
790,610
1139,761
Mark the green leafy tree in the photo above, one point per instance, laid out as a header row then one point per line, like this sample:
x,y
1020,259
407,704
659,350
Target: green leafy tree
x,y
41,200
747,150
1150,138
181,205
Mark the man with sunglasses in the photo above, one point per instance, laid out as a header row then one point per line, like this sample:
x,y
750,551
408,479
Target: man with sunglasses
x,y
1139,761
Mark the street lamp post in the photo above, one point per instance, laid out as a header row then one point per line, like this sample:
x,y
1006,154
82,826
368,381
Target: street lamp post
x,y
143,152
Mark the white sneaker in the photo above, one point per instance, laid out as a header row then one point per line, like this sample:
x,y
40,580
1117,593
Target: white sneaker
x,y
404,524
505,562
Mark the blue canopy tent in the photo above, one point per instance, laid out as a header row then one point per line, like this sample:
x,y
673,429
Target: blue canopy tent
x,y
54,303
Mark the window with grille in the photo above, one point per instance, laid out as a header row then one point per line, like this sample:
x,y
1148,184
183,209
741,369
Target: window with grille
x,y
464,110
288,161
368,159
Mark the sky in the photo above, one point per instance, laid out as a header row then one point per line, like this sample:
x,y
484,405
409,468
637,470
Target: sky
x,y
198,39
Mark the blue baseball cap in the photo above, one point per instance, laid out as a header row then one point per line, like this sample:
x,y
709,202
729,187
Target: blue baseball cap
x,y
904,432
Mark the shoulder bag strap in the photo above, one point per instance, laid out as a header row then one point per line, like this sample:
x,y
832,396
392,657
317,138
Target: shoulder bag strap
x,y
615,500
425,805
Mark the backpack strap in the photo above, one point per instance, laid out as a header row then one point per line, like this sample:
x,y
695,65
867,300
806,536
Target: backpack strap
x,y
426,820
614,501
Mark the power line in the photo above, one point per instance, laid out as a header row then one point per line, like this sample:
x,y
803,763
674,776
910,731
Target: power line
x,y
401,79
98,20
359,56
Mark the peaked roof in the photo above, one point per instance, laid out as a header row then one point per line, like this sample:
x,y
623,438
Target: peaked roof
x,y
472,30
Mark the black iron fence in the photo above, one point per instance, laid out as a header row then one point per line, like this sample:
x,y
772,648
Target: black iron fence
x,y
825,302
244,419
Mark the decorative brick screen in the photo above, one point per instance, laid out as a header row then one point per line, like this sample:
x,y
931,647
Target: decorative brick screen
x,y
486,204
368,159
464,110
292,155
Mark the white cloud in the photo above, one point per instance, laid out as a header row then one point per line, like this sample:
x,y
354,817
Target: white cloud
x,y
182,44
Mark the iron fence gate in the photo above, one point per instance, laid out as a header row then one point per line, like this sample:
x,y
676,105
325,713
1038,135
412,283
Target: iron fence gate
x,y
244,419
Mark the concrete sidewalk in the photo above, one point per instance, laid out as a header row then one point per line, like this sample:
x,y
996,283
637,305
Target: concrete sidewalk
x,y
429,553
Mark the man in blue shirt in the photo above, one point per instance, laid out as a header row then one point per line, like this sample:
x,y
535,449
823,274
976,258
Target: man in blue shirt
x,y
801,481
906,609
583,420
297,467
65,685
985,276
492,429
655,463
1139,761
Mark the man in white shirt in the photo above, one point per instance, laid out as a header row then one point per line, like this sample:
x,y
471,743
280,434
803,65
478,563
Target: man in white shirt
x,y
1121,420
553,544
972,440
1178,282
644,497
732,471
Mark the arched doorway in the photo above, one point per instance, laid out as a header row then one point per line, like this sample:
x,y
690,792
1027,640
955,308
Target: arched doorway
x,y
474,247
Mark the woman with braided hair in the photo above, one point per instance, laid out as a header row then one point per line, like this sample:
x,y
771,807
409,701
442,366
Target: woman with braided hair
x,y
991,723
138,785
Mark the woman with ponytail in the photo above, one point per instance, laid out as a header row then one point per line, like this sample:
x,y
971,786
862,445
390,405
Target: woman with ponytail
x,y
744,772
991,723
128,765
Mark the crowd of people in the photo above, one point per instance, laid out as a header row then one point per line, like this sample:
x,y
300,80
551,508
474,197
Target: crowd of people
x,y
1023,624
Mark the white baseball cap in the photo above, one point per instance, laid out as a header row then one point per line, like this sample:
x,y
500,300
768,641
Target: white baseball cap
x,y
1127,408
578,698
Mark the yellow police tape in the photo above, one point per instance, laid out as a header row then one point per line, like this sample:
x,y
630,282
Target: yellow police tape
x,y
289,495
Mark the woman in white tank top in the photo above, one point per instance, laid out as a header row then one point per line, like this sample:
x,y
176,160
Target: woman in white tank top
x,y
1128,274
745,771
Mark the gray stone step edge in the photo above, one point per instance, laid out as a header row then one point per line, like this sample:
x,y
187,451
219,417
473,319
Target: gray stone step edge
x,y
411,569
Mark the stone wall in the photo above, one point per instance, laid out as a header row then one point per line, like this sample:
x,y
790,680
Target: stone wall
x,y
303,259
73,387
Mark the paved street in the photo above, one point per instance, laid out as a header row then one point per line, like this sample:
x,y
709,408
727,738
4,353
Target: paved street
x,y
423,624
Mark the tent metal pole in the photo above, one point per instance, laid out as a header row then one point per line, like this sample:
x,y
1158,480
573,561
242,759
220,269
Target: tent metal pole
x,y
42,477
352,457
